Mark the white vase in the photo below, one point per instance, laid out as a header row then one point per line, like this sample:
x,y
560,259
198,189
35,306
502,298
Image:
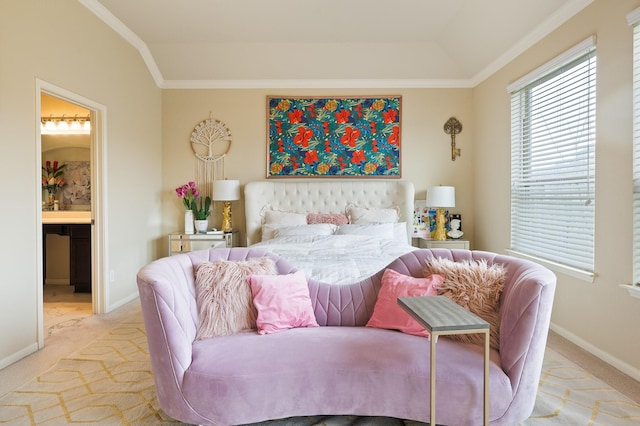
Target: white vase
x,y
201,225
188,222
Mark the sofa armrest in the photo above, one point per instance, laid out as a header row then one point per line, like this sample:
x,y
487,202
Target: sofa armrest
x,y
169,307
167,296
525,312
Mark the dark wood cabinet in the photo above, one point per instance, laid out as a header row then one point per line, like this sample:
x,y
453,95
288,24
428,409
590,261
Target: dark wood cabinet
x,y
79,253
80,257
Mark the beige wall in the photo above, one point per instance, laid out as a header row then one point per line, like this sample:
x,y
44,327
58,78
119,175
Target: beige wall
x,y
600,316
426,149
65,45
148,154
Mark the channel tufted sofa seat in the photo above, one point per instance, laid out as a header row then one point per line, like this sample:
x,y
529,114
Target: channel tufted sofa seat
x,y
341,367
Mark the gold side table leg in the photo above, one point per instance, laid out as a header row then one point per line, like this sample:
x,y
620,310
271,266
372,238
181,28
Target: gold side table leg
x,y
486,377
432,373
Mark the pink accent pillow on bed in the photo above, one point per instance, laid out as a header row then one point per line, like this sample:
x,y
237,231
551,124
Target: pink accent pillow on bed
x,y
388,314
282,302
333,218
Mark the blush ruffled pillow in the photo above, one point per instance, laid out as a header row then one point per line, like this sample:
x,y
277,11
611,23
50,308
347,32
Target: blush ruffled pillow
x,y
282,302
333,218
388,314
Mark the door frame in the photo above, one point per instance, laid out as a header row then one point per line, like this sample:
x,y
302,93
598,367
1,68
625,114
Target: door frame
x,y
99,291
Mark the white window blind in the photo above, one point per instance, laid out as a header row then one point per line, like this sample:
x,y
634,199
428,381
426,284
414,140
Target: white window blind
x,y
634,19
553,160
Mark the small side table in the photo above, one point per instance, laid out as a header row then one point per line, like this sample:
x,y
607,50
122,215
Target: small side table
x,y
184,243
441,316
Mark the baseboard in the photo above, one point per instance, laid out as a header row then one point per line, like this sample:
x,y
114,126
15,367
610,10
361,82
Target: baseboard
x,y
122,302
57,281
627,369
17,356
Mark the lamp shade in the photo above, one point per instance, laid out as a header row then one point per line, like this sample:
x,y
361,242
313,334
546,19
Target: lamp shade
x,y
226,190
441,196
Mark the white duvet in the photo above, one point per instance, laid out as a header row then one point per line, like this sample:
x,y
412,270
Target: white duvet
x,y
337,259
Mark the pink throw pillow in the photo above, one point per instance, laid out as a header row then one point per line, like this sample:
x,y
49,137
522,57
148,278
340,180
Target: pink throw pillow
x,y
282,302
333,218
388,314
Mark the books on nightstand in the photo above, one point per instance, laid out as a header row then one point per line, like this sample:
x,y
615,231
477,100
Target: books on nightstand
x,y
215,232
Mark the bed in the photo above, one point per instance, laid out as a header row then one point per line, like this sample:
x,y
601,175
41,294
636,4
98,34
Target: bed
x,y
304,222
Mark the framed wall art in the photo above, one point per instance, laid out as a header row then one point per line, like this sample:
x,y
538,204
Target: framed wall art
x,y
77,191
334,137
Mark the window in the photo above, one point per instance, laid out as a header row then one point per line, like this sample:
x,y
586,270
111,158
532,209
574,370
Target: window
x,y
634,19
553,161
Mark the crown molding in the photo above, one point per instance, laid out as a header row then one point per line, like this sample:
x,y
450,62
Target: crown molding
x,y
561,16
318,84
119,27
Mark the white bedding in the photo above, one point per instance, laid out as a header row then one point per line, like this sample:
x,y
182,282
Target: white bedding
x,y
337,259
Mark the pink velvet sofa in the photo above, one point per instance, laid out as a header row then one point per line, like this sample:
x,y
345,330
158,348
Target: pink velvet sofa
x,y
341,367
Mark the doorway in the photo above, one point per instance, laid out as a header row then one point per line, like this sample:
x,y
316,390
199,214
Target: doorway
x,y
66,155
71,236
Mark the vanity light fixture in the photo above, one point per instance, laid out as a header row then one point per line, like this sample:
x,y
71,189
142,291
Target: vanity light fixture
x,y
65,125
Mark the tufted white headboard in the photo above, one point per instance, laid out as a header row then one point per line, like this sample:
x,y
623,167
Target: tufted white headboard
x,y
326,196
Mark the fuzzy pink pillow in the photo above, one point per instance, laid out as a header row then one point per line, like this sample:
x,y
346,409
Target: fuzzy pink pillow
x,y
333,218
282,302
223,296
476,286
388,314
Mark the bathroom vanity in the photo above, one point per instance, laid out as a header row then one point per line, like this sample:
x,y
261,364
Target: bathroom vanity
x,y
77,226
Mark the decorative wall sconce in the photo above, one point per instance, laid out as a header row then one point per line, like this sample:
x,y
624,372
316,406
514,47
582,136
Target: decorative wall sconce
x,y
65,125
453,127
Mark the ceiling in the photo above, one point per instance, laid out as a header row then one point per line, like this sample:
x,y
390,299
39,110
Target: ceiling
x,y
330,43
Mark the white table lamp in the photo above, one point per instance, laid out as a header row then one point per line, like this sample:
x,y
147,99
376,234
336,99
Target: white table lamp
x,y
440,197
226,191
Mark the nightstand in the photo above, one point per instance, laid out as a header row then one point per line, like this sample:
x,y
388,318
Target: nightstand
x,y
448,244
184,243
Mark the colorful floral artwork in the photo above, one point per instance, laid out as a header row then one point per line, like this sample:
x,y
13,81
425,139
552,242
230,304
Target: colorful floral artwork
x,y
334,137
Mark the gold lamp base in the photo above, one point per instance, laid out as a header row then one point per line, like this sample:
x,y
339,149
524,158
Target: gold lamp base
x,y
226,217
440,234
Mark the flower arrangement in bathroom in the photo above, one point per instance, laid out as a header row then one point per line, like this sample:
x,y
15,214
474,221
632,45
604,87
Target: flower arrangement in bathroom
x,y
52,176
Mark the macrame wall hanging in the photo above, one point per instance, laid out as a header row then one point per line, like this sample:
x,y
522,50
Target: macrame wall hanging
x,y
210,141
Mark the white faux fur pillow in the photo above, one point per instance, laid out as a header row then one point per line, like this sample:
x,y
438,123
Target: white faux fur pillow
x,y
476,286
223,295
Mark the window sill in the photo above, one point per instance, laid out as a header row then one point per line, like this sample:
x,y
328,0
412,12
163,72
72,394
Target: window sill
x,y
556,267
634,290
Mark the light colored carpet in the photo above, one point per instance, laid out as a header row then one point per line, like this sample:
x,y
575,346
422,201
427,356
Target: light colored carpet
x,y
109,382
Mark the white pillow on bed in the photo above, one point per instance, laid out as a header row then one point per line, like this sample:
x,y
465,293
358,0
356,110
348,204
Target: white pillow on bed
x,y
284,218
358,215
391,231
270,231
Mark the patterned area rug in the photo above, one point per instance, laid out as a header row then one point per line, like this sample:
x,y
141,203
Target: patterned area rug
x,y
109,382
